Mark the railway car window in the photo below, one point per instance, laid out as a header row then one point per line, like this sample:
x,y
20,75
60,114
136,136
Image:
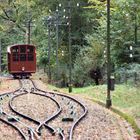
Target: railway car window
x,y
22,49
15,49
30,49
22,57
15,57
30,57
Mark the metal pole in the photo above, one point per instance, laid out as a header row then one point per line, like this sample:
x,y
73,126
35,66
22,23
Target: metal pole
x,y
28,31
49,51
136,28
57,45
0,53
70,65
108,100
28,23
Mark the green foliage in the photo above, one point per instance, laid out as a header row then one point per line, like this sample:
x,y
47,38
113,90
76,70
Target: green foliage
x,y
43,58
88,32
90,57
128,73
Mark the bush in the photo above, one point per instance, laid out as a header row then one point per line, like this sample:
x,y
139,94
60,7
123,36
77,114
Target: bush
x,y
129,74
88,58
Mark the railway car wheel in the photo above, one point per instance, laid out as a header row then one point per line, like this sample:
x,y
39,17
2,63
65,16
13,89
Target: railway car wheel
x,y
15,77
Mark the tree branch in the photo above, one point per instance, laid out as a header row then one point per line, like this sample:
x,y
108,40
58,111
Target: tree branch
x,y
10,19
4,17
6,14
15,8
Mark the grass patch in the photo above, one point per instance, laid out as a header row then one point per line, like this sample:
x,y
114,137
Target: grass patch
x,y
127,117
126,98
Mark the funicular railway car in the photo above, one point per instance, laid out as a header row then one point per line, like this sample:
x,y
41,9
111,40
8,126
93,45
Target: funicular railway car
x,y
21,60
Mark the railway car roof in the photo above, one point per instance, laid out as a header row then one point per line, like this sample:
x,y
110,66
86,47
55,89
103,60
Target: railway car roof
x,y
10,46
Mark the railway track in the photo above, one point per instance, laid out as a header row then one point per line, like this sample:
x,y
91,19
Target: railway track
x,y
40,115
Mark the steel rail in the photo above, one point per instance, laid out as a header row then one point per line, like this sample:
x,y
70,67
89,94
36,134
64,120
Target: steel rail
x,y
54,115
40,124
7,94
29,128
19,131
67,96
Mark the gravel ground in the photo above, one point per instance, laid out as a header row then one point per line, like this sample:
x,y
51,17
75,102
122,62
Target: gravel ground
x,y
8,133
5,108
70,109
34,106
100,123
8,84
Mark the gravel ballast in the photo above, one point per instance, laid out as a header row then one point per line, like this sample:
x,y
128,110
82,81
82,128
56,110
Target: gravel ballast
x,y
99,124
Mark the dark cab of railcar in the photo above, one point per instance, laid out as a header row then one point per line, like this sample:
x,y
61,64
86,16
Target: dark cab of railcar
x,y
21,60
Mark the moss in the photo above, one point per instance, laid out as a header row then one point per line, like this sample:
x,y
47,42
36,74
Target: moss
x,y
128,118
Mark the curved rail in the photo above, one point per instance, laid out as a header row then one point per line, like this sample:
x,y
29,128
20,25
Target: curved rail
x,y
55,114
40,124
79,119
7,94
19,131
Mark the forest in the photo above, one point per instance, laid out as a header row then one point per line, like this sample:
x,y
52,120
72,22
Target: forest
x,y
51,25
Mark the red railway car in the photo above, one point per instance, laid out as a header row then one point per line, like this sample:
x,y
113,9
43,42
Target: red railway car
x,y
21,60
